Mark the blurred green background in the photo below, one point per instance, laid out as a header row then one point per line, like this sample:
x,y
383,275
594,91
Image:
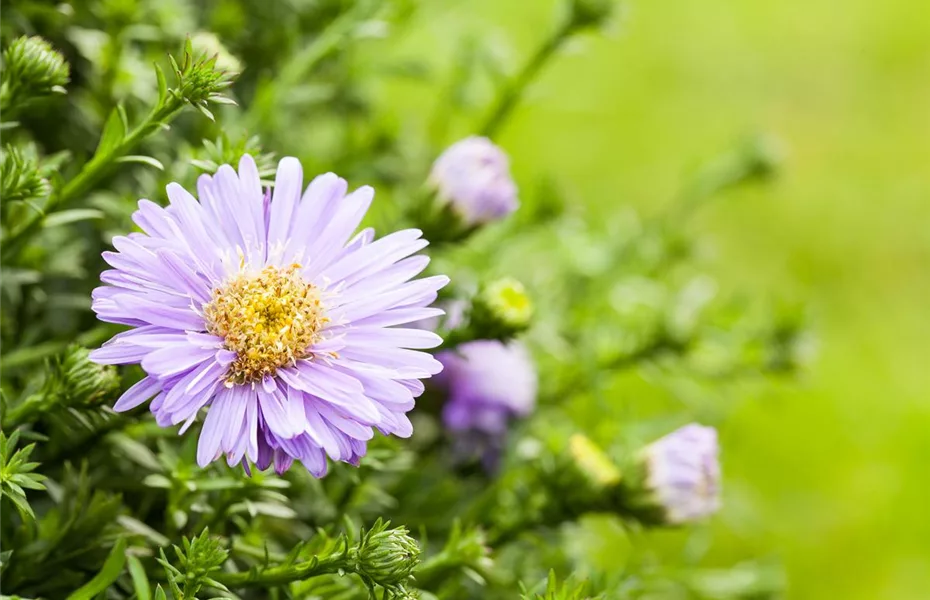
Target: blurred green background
x,y
830,474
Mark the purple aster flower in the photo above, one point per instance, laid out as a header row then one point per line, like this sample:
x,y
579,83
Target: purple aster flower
x,y
489,383
266,310
683,473
473,177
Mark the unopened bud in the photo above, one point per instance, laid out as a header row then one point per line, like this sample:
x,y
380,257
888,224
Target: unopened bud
x,y
765,155
82,382
681,475
501,310
472,179
20,176
593,463
201,78
590,13
31,68
385,556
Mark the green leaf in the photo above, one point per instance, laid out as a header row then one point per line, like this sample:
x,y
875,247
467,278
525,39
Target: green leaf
x,y
137,527
162,84
5,560
135,451
206,112
157,481
111,570
30,481
22,505
72,216
10,443
140,582
146,160
114,131
160,593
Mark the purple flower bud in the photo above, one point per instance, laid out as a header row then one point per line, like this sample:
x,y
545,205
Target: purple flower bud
x,y
488,383
473,177
683,473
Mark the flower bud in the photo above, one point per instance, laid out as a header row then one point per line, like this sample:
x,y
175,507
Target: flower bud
x,y
488,384
82,382
590,13
501,310
201,78
386,556
31,68
593,463
21,177
681,475
472,178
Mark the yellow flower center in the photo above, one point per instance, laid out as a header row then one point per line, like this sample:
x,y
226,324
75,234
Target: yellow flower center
x,y
270,319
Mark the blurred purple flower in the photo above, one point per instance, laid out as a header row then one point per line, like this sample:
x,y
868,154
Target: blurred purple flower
x,y
489,383
683,473
473,176
268,311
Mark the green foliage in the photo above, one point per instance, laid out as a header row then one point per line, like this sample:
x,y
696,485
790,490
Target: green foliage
x,y
606,305
16,474
197,560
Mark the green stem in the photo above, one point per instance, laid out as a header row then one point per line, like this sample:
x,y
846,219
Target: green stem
x,y
283,574
508,99
23,413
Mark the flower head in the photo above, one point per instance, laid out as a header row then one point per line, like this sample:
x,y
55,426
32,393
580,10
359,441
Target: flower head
x,y
682,473
266,310
489,383
473,177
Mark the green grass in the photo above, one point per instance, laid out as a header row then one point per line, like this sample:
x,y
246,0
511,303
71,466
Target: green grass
x,y
830,474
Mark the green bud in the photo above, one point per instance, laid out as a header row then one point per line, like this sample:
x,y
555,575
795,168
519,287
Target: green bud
x,y
597,468
197,560
201,80
31,69
501,309
763,156
84,382
71,380
20,177
385,556
590,13
228,151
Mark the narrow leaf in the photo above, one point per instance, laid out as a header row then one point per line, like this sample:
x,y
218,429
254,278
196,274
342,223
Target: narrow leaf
x,y
22,505
114,131
108,574
206,111
140,582
146,160
72,216
162,84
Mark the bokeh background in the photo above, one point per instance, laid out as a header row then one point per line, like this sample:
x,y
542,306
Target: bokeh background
x,y
828,474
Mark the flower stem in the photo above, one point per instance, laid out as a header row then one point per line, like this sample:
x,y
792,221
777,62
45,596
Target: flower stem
x,y
512,92
283,574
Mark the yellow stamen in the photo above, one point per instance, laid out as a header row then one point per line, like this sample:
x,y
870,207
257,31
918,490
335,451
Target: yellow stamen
x,y
270,319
